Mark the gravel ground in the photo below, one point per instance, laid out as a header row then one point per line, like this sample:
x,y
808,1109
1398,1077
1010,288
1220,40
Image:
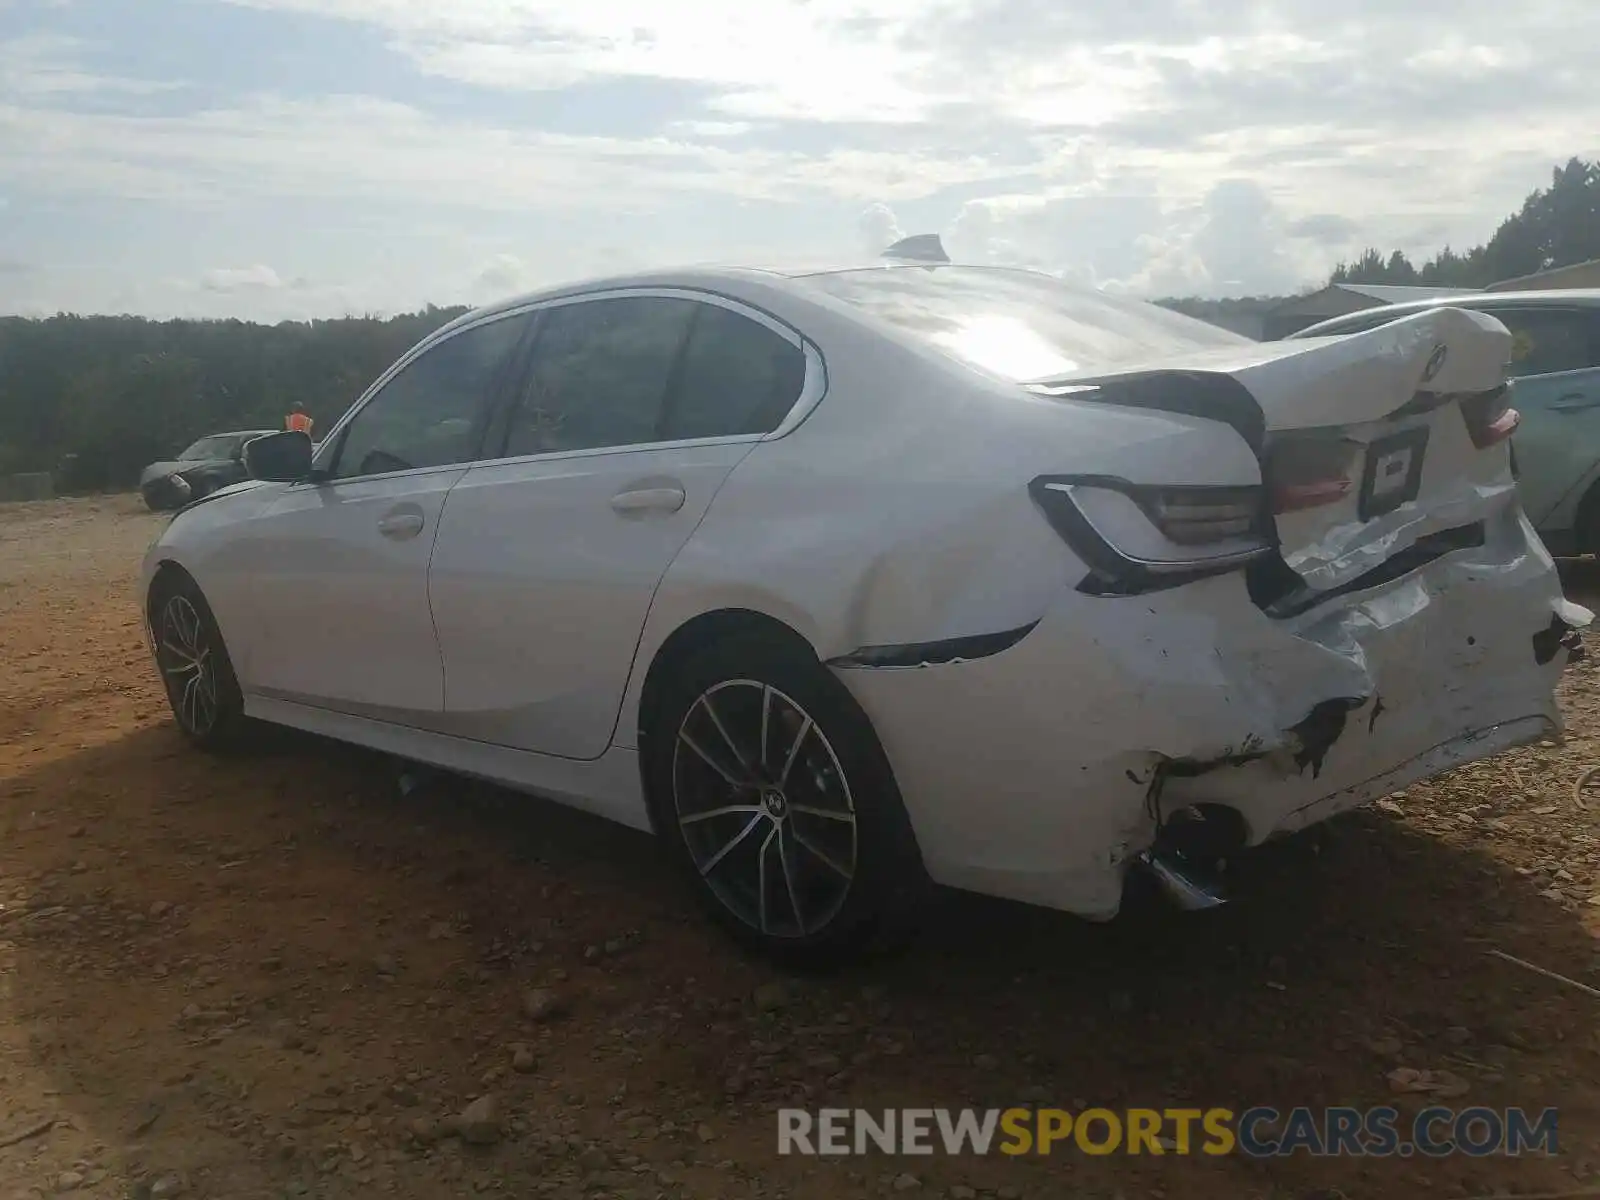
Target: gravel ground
x,y
273,976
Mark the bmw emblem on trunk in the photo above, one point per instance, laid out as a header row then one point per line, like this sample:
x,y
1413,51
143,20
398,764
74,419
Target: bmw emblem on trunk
x,y
1435,363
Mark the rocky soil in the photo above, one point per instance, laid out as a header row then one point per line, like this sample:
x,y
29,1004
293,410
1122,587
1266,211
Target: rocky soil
x,y
277,976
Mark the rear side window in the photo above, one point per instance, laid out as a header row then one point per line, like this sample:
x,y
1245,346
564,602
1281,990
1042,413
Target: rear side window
x,y
600,374
1021,325
737,377
1545,341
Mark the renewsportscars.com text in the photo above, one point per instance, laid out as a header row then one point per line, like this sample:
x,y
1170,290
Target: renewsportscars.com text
x,y
1259,1132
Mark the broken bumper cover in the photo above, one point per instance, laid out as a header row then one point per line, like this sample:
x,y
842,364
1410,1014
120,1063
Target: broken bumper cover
x,y
1040,772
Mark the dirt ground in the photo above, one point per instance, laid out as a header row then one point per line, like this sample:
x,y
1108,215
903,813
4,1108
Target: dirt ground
x,y
274,976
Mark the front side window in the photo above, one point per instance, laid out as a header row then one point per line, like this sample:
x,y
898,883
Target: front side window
x,y
600,374
1545,341
432,413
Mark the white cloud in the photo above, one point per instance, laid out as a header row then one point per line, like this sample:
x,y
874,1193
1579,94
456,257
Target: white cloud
x,y
1148,145
353,146
44,65
502,275
793,58
879,228
710,129
241,279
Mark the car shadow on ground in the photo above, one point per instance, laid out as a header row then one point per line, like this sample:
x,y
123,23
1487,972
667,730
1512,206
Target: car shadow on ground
x,y
223,938
1581,579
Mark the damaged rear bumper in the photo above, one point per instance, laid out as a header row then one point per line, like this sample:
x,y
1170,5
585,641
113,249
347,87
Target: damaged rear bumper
x,y
1041,772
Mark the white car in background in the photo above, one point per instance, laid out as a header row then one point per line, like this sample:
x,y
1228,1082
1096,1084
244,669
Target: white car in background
x,y
846,581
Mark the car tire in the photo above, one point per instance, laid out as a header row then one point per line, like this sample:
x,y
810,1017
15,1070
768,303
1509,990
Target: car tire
x,y
774,797
198,675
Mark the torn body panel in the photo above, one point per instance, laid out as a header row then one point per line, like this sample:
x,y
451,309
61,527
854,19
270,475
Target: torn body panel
x,y
1195,697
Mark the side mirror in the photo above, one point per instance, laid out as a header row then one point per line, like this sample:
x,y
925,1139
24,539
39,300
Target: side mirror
x,y
279,457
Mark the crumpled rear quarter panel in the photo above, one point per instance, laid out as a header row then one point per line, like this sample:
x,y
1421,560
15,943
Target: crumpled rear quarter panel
x,y
1039,772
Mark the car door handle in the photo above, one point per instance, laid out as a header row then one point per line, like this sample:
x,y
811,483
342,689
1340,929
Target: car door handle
x,y
401,525
651,499
1575,402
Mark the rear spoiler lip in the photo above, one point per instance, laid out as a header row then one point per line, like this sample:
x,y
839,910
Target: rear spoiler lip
x,y
1213,395
1317,383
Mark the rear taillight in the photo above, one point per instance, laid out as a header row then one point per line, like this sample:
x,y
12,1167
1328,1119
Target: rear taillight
x,y
1296,497
1490,418
1137,537
1310,472
1200,516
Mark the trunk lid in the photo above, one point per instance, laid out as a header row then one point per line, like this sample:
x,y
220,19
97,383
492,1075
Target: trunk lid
x,y
1372,445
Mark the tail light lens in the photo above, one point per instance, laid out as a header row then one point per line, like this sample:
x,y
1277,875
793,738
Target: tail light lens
x,y
1203,516
1490,418
1138,538
1310,472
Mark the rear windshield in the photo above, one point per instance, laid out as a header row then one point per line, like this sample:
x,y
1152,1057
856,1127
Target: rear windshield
x,y
1021,325
210,447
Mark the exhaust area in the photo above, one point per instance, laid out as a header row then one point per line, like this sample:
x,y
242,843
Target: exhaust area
x,y
1179,884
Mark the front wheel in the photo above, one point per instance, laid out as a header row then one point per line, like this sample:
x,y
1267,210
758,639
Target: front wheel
x,y
196,671
772,793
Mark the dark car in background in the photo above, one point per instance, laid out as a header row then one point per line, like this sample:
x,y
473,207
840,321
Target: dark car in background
x,y
215,461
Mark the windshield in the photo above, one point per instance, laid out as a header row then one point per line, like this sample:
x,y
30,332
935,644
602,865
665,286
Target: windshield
x,y
1021,325
216,446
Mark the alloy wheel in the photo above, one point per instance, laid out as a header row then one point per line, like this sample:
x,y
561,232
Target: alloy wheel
x,y
188,665
764,808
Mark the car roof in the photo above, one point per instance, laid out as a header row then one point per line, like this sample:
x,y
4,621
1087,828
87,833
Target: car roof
x,y
712,275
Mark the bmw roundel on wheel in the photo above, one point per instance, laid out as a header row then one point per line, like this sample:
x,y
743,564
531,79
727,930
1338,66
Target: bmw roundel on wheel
x,y
852,581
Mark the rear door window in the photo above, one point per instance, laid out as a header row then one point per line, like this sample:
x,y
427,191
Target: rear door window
x,y
737,377
599,376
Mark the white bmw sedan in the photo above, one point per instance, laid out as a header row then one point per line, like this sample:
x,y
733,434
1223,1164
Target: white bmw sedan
x,y
849,581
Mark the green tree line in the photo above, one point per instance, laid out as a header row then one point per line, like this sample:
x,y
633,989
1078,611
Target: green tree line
x,y
93,399
1555,227
106,395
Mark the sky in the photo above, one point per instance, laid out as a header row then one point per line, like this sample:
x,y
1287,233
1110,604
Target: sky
x,y
272,159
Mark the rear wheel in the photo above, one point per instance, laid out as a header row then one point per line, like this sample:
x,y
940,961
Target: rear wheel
x,y
195,668
773,795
